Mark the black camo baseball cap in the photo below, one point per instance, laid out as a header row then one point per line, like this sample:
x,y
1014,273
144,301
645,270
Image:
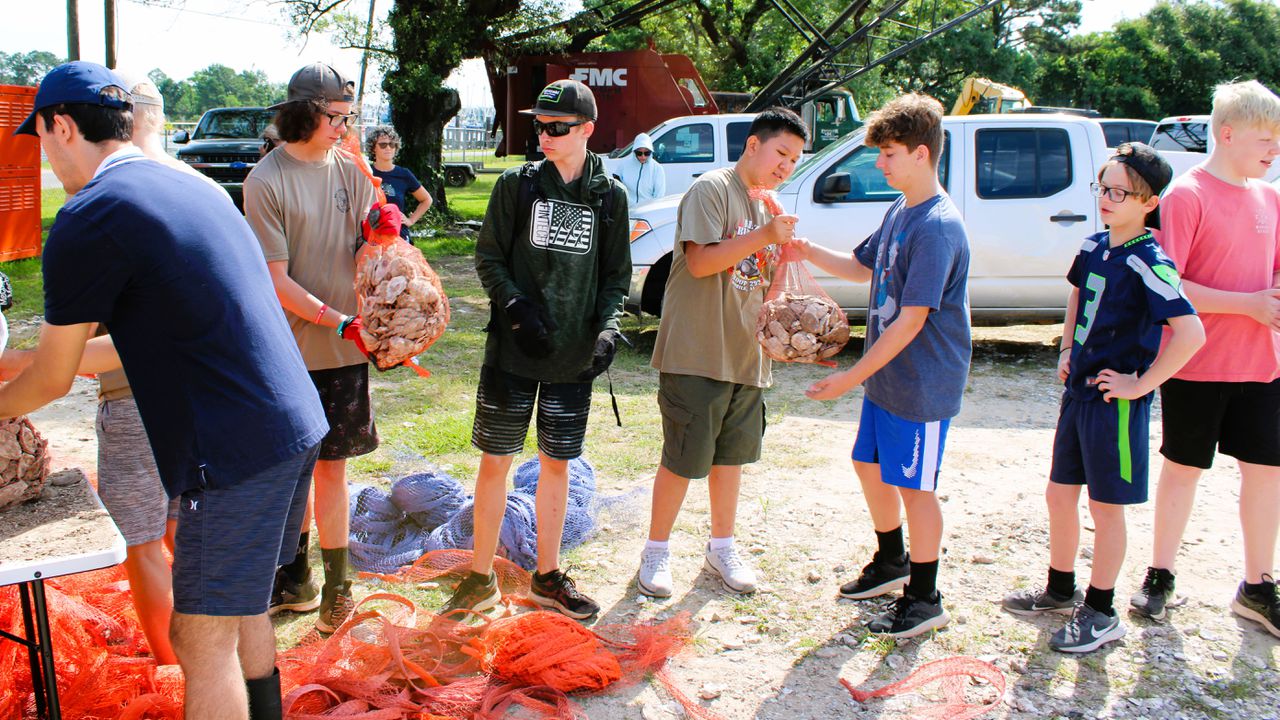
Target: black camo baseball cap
x,y
1150,166
319,81
564,98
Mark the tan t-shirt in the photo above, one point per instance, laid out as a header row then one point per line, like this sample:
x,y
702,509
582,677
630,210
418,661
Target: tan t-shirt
x,y
112,384
708,324
309,214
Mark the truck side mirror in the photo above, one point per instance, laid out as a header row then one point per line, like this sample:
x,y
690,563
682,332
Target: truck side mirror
x,y
181,137
835,187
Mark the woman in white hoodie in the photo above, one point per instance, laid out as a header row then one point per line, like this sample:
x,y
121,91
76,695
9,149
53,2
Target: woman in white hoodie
x,y
643,177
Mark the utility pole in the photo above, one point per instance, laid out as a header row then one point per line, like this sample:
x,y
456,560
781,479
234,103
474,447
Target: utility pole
x,y
109,22
364,57
73,30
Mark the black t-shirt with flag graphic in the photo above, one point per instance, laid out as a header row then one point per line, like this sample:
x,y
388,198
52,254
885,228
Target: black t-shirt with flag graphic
x,y
1126,293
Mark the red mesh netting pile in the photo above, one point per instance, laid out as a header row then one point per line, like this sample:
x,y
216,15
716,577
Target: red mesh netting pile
x,y
391,660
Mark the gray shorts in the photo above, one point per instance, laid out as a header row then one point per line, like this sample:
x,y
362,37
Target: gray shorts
x,y
128,481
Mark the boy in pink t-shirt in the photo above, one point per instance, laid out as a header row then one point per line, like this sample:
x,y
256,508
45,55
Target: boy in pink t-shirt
x,y
1221,227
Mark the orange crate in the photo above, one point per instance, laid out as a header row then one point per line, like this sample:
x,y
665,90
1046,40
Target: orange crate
x,y
19,177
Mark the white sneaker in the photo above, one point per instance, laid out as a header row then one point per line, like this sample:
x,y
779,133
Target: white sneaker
x,y
654,578
734,572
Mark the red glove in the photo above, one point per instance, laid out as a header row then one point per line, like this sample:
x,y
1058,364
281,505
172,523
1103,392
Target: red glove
x,y
382,225
349,329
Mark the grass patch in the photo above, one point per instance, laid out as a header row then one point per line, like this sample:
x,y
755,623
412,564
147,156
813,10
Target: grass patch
x,y
438,245
470,202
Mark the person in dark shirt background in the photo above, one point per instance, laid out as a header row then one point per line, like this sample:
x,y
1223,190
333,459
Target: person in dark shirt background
x,y
397,182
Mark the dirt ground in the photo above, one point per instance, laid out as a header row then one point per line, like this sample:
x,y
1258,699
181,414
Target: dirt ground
x,y
781,653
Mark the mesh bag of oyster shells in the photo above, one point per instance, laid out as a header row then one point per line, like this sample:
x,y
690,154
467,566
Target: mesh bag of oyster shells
x,y
799,322
24,462
402,304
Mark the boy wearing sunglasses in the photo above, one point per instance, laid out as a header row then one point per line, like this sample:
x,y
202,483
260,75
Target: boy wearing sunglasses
x,y
1124,291
554,257
641,173
305,201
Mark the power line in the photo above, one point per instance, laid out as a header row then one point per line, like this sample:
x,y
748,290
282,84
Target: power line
x,y
184,9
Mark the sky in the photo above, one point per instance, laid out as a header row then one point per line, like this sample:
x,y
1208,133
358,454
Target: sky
x,y
193,34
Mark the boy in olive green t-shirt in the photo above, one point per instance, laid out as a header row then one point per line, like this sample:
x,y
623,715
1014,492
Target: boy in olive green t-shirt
x,y
712,370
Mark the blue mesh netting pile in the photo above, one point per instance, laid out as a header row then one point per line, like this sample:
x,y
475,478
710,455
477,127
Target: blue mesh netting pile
x,y
430,510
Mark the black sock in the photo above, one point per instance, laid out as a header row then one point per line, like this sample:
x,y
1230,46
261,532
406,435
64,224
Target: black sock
x,y
891,545
298,570
1100,600
1062,583
544,577
1256,588
924,580
482,578
335,566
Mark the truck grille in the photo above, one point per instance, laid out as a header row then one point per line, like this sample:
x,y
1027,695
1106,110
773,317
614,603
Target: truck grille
x,y
250,158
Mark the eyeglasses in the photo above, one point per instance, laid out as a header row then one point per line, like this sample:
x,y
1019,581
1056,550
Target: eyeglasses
x,y
339,119
1114,194
385,145
643,153
559,128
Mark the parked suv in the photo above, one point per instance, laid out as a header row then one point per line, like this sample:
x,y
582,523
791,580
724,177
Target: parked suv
x,y
225,145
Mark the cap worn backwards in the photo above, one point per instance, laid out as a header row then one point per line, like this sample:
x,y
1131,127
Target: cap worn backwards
x,y
1150,166
80,83
319,81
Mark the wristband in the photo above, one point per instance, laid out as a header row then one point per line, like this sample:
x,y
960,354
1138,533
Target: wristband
x,y
320,315
1065,349
346,320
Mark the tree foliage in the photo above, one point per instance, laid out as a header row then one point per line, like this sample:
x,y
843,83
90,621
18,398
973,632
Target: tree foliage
x,y
214,86
26,68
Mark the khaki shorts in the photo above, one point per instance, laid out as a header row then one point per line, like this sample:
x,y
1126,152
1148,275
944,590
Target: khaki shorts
x,y
708,422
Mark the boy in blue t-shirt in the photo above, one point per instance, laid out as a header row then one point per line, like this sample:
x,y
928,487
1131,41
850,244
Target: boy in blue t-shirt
x,y
1111,363
915,365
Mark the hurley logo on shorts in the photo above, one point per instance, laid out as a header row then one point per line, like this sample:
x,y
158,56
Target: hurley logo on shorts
x,y
562,226
195,505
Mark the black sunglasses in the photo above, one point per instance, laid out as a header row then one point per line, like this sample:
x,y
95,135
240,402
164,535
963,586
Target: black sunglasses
x,y
643,153
384,145
559,128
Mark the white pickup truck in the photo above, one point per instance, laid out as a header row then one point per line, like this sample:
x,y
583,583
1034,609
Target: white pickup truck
x,y
1021,182
1185,140
690,145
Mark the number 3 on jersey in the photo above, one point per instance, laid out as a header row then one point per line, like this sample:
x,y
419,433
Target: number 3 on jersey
x,y
1096,284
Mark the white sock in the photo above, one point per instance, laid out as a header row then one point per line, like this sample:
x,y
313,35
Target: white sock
x,y
721,543
656,544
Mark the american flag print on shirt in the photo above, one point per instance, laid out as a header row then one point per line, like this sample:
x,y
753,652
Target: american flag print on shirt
x,y
562,226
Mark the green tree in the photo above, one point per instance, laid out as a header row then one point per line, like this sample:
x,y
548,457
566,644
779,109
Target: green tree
x,y
27,68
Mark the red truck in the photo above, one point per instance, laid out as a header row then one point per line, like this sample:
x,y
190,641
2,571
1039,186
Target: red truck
x,y
635,91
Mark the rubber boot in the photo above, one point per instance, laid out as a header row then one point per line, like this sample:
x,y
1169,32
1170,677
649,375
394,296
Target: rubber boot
x,y
264,697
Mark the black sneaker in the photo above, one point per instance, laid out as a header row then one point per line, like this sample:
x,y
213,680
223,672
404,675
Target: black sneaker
x,y
878,578
1035,602
1156,595
476,592
557,592
1262,608
1086,631
910,616
336,605
288,594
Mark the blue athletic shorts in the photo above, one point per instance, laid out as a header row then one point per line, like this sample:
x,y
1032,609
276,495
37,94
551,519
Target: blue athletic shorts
x,y
909,453
231,540
1104,445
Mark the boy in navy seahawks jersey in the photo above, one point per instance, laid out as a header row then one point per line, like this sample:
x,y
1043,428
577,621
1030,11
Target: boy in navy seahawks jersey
x,y
1124,288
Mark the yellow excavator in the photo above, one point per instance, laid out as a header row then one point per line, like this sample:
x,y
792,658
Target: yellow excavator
x,y
980,95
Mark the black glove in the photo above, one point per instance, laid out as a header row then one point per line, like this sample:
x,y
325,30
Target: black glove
x,y
602,356
531,327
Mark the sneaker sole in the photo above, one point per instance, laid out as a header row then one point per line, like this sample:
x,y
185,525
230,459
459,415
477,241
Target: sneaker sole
x,y
936,623
737,590
1249,613
1032,612
552,604
652,592
1177,601
298,607
891,586
1110,636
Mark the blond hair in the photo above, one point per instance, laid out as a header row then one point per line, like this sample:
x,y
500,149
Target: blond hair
x,y
1244,104
148,109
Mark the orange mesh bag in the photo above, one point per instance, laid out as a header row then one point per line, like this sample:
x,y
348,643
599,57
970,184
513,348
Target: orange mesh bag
x,y
952,675
798,322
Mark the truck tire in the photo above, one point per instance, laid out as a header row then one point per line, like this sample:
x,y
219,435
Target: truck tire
x,y
456,177
655,287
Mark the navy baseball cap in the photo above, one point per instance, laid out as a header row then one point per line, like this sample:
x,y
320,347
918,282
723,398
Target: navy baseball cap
x,y
76,82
